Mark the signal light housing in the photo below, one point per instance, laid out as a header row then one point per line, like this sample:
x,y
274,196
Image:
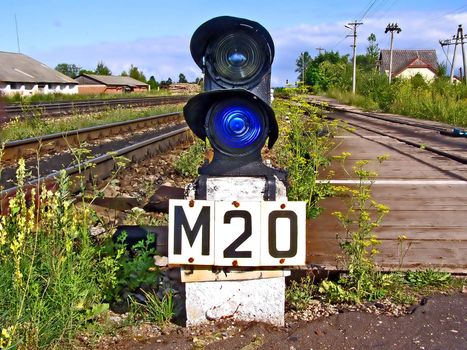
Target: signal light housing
x,y
234,112
234,53
237,124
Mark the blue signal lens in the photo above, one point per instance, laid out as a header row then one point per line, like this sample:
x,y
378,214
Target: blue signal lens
x,y
237,126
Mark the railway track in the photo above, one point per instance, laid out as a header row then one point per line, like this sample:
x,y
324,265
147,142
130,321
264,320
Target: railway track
x,y
55,109
423,182
53,142
428,135
133,141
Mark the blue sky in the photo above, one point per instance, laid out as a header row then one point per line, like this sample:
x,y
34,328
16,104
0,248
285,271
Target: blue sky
x,y
154,35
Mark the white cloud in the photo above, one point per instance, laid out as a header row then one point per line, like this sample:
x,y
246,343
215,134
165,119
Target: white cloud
x,y
169,56
162,57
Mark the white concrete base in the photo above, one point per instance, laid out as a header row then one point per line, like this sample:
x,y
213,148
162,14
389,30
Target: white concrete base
x,y
259,300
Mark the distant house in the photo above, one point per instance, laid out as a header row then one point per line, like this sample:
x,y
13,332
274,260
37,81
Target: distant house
x,y
407,63
109,84
24,75
184,88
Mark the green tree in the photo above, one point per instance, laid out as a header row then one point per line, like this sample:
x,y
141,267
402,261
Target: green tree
x,y
71,70
442,70
86,71
153,83
372,50
164,84
102,69
182,78
368,61
318,77
304,60
124,74
137,74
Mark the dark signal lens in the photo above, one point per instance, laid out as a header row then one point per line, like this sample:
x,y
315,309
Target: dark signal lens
x,y
238,57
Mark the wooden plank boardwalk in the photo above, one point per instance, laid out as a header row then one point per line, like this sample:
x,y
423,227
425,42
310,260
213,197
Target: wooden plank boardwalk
x,y
427,197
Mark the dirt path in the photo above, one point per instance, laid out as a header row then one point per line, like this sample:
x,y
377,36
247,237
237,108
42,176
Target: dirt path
x,y
441,323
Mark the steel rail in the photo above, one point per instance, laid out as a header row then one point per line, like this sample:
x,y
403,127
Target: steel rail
x,y
441,129
18,148
100,167
67,107
395,120
459,159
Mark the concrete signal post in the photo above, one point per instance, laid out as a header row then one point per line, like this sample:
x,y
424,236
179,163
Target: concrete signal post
x,y
236,233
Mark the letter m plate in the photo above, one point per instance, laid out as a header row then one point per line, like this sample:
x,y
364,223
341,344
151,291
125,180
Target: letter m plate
x,y
191,232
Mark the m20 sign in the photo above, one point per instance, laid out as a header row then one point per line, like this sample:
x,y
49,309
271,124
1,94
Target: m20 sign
x,y
224,233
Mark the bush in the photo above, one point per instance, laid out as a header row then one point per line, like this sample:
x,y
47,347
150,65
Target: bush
x,y
136,267
438,100
190,160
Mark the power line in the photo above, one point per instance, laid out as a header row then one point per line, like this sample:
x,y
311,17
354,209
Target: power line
x,y
368,9
365,8
383,10
456,10
339,42
422,43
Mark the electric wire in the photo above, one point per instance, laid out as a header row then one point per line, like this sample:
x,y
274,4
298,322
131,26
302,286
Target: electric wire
x,y
368,10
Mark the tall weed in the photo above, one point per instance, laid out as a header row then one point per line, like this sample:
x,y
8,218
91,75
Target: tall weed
x,y
359,243
53,276
302,149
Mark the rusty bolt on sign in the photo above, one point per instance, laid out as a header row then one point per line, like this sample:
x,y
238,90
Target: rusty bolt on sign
x,y
235,204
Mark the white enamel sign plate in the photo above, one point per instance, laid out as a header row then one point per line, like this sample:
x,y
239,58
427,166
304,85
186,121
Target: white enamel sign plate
x,y
237,233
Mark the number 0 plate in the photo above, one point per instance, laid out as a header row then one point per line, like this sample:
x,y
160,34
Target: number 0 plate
x,y
237,234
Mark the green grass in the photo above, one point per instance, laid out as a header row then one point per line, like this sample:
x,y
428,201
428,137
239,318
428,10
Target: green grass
x,y
58,281
402,288
37,126
54,278
348,98
438,101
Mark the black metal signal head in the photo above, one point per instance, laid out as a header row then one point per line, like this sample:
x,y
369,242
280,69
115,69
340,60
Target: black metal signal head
x,y
234,53
234,112
237,124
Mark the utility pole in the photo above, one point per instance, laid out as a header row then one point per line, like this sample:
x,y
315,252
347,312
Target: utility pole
x,y
353,26
319,50
303,68
391,27
17,34
456,40
461,34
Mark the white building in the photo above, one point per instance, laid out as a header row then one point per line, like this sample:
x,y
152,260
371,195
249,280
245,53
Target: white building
x,y
24,75
407,63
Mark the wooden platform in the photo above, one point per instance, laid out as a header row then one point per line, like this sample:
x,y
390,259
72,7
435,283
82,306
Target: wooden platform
x,y
427,197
